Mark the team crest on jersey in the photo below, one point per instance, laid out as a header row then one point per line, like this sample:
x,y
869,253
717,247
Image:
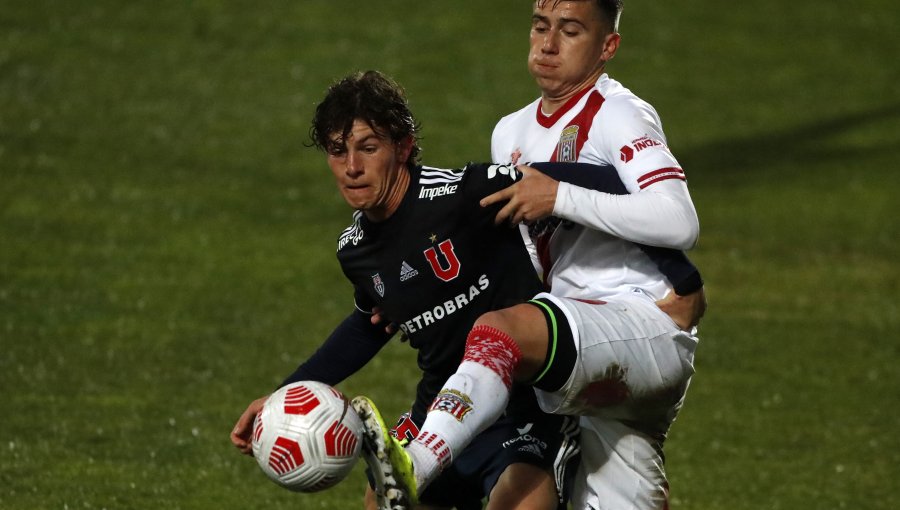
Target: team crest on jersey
x,y
452,402
378,283
566,150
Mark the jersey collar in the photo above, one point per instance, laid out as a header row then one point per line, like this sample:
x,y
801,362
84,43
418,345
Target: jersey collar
x,y
549,120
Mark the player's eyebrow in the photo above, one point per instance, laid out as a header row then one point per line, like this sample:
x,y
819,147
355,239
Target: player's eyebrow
x,y
566,21
367,138
535,18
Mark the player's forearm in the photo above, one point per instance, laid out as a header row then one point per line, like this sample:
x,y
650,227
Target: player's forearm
x,y
349,347
660,217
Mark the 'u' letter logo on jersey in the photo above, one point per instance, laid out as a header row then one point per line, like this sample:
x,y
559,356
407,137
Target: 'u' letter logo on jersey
x,y
443,273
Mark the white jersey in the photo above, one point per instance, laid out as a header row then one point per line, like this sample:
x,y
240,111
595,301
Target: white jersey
x,y
586,249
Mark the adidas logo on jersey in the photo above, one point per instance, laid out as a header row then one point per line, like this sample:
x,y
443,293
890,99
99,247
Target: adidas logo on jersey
x,y
407,272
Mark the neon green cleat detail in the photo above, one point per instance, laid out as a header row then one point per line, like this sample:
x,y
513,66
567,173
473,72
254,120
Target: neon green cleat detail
x,y
391,465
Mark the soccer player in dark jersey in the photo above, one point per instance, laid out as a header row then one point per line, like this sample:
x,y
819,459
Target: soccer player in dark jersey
x,y
423,252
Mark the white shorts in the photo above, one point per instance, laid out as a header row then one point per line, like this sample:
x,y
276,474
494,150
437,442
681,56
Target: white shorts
x,y
632,369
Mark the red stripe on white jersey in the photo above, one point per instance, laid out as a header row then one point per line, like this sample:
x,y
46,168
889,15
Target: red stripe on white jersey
x,y
548,121
662,174
583,120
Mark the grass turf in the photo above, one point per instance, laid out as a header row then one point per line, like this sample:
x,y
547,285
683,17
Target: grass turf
x,y
166,240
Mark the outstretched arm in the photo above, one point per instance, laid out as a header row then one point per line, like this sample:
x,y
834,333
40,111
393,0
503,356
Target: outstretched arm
x,y
350,346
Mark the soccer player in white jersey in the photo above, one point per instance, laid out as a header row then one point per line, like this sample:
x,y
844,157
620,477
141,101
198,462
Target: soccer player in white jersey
x,y
599,345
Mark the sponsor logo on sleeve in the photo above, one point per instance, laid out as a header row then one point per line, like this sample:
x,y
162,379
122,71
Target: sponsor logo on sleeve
x,y
437,182
627,152
503,170
352,235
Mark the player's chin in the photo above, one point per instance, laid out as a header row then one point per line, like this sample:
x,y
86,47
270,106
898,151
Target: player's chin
x,y
357,197
546,79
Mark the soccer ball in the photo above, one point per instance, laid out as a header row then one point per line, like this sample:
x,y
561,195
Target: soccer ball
x,y
307,437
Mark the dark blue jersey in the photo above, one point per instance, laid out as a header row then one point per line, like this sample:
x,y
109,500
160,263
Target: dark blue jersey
x,y
437,264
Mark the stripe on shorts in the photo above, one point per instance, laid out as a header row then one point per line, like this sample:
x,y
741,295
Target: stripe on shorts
x,y
560,359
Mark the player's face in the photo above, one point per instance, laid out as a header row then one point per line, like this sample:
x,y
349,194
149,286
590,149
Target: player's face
x,y
570,45
370,170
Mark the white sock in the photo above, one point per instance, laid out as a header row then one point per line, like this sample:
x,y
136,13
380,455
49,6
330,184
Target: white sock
x,y
472,399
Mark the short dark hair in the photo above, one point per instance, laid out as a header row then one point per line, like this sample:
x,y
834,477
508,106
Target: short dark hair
x,y
369,96
610,9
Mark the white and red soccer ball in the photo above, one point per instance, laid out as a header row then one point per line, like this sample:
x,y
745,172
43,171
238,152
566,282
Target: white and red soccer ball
x,y
307,437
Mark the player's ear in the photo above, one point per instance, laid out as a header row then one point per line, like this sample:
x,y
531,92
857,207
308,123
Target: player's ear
x,y
404,148
610,46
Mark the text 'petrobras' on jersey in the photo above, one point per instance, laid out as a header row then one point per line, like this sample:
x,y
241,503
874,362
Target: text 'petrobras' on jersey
x,y
446,308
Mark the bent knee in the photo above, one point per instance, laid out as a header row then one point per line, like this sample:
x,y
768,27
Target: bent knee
x,y
527,327
516,320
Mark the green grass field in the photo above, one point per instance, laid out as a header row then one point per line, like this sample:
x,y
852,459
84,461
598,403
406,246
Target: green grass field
x,y
167,240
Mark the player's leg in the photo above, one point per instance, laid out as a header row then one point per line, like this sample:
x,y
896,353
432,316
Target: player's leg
x,y
631,374
477,394
532,455
632,361
620,468
524,486
370,502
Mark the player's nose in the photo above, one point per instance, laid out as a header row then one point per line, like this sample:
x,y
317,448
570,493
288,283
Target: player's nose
x,y
551,42
355,166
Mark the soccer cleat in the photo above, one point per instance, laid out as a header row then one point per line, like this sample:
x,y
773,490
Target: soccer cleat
x,y
391,465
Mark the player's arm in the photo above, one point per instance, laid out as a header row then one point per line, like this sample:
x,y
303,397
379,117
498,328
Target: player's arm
x,y
663,216
687,304
627,134
673,264
352,344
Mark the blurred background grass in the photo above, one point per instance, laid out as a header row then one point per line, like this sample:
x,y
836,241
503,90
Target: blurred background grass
x,y
167,240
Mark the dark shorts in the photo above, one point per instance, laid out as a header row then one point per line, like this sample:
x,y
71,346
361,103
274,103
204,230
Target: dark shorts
x,y
540,440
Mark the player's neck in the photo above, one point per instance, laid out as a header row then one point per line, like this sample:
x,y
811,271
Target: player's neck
x,y
551,101
396,194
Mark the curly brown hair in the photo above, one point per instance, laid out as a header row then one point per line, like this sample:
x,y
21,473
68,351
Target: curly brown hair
x,y
369,96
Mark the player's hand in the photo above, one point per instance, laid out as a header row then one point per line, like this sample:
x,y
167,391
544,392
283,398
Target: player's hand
x,y
686,311
243,429
378,317
530,199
